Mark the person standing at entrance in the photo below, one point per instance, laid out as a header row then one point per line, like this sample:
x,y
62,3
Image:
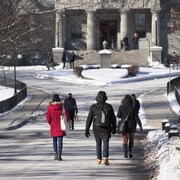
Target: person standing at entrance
x,y
128,111
125,43
135,40
104,123
71,106
112,42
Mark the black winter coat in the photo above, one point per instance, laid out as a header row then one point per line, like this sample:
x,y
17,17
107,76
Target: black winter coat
x,y
133,118
101,132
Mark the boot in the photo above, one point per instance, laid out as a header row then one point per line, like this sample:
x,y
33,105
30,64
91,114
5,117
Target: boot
x,y
59,157
125,150
55,156
106,162
130,149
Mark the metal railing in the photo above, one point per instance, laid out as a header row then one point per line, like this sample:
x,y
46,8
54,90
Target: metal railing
x,y
11,102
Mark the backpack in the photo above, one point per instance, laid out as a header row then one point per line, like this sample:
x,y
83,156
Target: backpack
x,y
101,118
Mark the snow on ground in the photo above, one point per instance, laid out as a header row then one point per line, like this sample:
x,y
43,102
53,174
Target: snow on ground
x,y
6,92
159,147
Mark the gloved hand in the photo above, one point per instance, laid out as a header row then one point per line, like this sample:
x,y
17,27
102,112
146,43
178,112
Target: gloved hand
x,y
114,131
87,134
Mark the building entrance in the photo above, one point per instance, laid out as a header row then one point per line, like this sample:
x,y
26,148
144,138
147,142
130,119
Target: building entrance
x,y
108,32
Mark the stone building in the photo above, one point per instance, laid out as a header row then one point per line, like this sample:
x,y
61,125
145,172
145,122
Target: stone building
x,y
85,24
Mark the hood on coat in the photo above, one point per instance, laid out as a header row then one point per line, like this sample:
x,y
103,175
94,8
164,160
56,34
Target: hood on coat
x,y
56,106
101,96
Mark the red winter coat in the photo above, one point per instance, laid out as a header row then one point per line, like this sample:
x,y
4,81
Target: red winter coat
x,y
53,114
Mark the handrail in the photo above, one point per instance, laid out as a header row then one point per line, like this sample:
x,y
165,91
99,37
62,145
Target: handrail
x,y
11,102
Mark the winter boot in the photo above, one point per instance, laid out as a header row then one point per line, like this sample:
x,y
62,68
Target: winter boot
x,y
106,162
59,157
130,149
125,150
55,156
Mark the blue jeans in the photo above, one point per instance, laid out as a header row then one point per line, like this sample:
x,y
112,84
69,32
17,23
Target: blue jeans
x,y
105,148
58,148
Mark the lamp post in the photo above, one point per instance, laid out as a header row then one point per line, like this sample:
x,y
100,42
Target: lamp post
x,y
9,57
19,56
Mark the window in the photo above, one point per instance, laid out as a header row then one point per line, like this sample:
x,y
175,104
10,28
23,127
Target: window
x,y
140,24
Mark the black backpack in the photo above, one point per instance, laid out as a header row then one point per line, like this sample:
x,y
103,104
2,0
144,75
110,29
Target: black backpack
x,y
101,118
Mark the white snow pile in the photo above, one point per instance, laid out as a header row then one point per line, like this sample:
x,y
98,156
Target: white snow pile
x,y
163,155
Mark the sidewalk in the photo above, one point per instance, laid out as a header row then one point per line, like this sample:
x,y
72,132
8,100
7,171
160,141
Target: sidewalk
x,y
31,157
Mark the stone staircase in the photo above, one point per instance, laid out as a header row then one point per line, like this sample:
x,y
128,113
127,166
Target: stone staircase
x,y
134,57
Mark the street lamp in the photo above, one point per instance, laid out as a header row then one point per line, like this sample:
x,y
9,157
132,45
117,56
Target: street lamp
x,y
19,56
9,57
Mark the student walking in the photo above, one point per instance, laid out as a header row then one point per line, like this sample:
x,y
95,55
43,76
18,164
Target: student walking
x,y
71,107
64,59
72,60
104,123
54,112
50,62
128,111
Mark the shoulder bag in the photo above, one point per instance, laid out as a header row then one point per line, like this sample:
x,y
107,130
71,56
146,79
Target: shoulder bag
x,y
64,123
121,125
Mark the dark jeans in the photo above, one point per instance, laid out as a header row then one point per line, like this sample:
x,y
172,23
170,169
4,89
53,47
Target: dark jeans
x,y
105,147
71,64
71,113
58,148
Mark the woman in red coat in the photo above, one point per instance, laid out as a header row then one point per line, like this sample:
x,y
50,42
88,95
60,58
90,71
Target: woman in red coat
x,y
53,115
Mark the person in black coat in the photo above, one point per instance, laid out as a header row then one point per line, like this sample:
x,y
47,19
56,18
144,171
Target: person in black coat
x,y
127,109
136,102
102,134
72,60
50,62
71,106
64,59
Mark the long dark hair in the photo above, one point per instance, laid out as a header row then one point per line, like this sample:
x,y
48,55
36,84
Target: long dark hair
x,y
127,100
56,98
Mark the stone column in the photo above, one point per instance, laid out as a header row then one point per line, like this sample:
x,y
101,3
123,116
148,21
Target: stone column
x,y
57,30
59,36
155,28
60,29
90,30
124,23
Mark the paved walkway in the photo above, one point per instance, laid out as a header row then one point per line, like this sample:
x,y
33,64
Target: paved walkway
x,y
26,152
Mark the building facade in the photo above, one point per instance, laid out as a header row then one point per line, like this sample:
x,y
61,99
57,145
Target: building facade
x,y
85,24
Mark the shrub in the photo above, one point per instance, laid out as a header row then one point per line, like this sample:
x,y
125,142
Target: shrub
x,y
133,70
78,71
